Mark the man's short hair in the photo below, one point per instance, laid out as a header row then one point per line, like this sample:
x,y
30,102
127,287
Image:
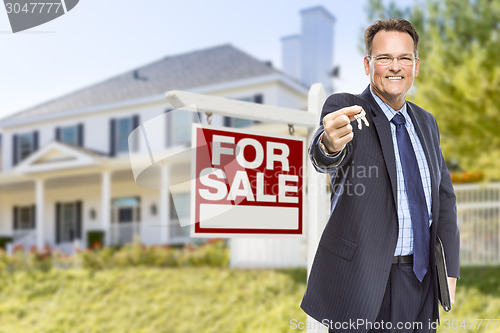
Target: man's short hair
x,y
400,25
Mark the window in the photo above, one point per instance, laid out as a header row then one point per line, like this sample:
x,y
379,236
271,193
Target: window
x,y
123,129
23,145
179,127
126,210
24,217
72,135
69,135
120,129
240,122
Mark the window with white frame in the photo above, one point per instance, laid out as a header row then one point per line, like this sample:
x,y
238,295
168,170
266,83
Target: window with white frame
x,y
123,129
68,221
120,130
240,122
179,127
25,145
126,210
69,134
25,218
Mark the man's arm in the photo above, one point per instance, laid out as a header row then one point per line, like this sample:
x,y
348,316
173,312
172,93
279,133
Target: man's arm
x,y
448,228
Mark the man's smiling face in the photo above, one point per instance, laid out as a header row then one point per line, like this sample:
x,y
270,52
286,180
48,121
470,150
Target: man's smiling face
x,y
391,82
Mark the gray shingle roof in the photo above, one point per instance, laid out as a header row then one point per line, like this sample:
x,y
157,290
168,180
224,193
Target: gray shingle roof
x,y
185,71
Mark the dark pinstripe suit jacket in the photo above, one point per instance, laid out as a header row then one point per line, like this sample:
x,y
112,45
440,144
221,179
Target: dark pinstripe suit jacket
x,y
353,259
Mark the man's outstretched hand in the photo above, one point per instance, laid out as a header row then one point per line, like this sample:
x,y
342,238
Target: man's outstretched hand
x,y
338,129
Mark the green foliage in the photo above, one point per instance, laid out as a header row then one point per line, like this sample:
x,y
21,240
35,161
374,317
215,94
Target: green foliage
x,y
193,299
478,297
459,78
214,253
4,240
95,237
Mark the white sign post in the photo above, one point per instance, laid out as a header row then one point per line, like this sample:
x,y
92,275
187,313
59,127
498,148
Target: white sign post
x,y
316,201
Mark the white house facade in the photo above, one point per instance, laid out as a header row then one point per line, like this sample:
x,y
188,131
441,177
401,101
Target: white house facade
x,y
65,166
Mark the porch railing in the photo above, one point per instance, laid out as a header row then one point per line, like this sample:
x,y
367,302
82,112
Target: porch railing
x,y
178,234
122,233
23,237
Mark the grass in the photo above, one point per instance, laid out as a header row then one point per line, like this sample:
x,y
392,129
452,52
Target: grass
x,y
478,297
150,300
193,299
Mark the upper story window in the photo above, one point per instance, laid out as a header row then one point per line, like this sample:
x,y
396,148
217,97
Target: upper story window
x,y
69,135
23,145
123,129
72,135
240,122
179,125
119,131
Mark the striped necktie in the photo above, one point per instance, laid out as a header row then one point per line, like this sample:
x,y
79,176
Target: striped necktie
x,y
416,198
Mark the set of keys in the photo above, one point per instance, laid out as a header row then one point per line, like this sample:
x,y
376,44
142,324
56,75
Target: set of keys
x,y
360,118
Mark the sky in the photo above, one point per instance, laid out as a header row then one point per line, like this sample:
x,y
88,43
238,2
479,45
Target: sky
x,y
99,39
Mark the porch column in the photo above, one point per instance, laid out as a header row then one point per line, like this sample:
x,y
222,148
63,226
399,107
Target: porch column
x,y
106,205
39,199
164,206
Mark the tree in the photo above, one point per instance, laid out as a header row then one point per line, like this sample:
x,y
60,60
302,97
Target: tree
x,y
459,79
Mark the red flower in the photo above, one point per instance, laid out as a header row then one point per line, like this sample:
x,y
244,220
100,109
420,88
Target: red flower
x,y
18,247
215,240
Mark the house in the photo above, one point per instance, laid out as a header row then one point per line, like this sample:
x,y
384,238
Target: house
x,y
66,170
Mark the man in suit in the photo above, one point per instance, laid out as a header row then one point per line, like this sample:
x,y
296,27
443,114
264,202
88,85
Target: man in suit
x,y
375,267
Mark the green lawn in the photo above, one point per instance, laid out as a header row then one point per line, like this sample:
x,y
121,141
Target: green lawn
x,y
192,299
478,297
151,300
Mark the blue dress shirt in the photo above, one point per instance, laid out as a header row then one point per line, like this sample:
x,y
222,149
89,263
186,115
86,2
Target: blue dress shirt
x,y
404,245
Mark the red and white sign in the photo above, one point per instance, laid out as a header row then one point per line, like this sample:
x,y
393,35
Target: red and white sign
x,y
246,183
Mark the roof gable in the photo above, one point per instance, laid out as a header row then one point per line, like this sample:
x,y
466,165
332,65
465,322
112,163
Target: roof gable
x,y
57,156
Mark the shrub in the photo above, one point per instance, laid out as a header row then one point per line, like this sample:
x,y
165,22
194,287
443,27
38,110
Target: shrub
x,y
214,253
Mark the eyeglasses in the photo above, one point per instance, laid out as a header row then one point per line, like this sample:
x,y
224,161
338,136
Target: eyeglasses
x,y
385,60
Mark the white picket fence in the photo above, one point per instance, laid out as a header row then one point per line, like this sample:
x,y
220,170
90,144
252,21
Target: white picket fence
x,y
478,208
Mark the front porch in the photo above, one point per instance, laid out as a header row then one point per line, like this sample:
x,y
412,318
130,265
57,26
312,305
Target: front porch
x,y
58,207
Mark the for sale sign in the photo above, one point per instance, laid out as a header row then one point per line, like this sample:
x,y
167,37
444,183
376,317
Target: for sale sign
x,y
246,183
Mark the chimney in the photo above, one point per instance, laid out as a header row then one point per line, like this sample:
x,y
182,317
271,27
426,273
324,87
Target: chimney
x,y
290,55
317,46
308,57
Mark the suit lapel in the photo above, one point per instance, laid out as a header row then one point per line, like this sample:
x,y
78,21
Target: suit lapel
x,y
383,129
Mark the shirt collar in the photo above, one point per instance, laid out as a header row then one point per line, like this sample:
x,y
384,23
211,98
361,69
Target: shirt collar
x,y
389,111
